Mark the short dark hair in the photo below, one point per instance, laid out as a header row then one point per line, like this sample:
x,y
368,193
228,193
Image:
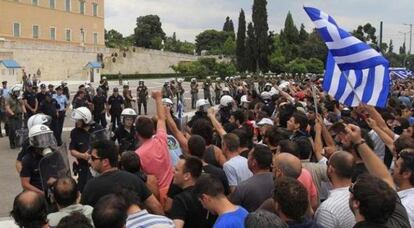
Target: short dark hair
x,y
344,167
376,198
238,116
288,146
291,197
106,149
404,142
130,162
203,128
407,164
231,141
110,212
263,156
197,146
276,134
145,127
210,185
65,191
29,214
75,219
301,119
194,166
243,137
263,218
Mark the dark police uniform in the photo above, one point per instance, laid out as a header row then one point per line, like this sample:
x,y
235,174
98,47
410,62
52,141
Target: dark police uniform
x,y
126,139
116,103
50,108
40,97
99,102
142,92
207,94
15,121
30,97
30,167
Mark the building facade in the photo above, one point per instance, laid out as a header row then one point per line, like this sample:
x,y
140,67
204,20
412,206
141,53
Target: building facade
x,y
55,22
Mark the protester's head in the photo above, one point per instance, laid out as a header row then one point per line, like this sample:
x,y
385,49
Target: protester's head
x,y
29,209
298,122
291,199
187,171
259,158
287,165
110,212
403,142
144,127
65,191
197,146
203,128
237,117
245,140
262,218
230,143
274,135
130,162
75,219
208,189
104,156
289,146
372,199
403,173
340,166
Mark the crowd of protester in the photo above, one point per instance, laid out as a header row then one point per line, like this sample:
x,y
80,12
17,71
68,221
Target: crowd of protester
x,y
271,154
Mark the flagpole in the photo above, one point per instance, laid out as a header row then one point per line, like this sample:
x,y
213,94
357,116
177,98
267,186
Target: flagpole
x,y
353,90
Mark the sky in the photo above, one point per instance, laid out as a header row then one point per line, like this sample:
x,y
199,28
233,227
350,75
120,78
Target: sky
x,y
190,17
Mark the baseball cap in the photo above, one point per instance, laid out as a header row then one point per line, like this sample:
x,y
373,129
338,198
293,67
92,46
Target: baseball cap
x,y
265,121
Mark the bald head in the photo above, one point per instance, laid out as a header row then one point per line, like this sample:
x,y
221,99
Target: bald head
x,y
288,165
29,209
343,164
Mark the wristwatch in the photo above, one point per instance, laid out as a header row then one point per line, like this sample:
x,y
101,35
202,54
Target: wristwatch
x,y
356,145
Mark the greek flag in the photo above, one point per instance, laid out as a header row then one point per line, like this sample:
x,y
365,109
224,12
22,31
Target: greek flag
x,y
354,72
401,73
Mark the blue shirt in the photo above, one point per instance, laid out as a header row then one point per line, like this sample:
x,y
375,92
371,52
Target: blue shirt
x,y
62,100
234,219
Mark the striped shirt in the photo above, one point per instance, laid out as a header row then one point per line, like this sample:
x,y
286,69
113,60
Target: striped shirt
x,y
143,219
335,211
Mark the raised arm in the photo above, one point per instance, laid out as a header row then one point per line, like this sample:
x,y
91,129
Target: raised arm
x,y
156,95
388,141
372,162
379,120
182,140
216,124
318,145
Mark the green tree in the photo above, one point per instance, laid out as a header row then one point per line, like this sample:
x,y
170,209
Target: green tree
x,y
241,43
366,33
229,47
390,47
314,47
261,28
114,39
403,49
277,59
148,32
211,41
251,49
314,65
303,35
297,66
290,33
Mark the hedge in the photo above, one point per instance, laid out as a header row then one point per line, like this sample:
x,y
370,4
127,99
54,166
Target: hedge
x,y
144,76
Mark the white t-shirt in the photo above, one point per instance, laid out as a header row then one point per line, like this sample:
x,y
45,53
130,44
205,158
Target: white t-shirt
x,y
237,170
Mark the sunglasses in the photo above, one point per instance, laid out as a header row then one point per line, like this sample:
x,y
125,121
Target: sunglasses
x,y
93,158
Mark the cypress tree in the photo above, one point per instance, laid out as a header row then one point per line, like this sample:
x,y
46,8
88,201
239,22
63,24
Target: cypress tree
x,y
261,28
241,43
251,49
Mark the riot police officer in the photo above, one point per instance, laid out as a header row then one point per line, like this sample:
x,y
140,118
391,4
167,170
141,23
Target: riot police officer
x,y
125,133
180,91
166,90
217,90
226,105
65,89
103,84
142,93
126,92
206,88
115,106
50,107
194,92
15,110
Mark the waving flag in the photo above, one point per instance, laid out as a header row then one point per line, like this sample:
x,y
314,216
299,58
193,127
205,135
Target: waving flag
x,y
402,73
355,72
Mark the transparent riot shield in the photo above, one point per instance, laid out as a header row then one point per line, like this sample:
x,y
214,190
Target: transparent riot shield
x,y
21,135
101,134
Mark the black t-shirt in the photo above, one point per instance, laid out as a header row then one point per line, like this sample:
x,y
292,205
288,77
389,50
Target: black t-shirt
x,y
188,208
30,168
40,97
113,182
99,104
24,150
80,141
49,108
116,103
31,99
126,140
219,173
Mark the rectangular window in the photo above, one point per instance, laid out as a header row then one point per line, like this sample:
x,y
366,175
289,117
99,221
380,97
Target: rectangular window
x,y
52,4
53,33
35,2
95,9
95,38
16,30
68,5
35,31
68,35
82,7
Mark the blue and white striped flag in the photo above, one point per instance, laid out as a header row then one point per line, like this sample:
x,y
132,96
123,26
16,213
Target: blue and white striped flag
x,y
402,73
355,72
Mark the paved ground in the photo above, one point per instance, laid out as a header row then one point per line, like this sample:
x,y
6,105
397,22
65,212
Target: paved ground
x,y
9,179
